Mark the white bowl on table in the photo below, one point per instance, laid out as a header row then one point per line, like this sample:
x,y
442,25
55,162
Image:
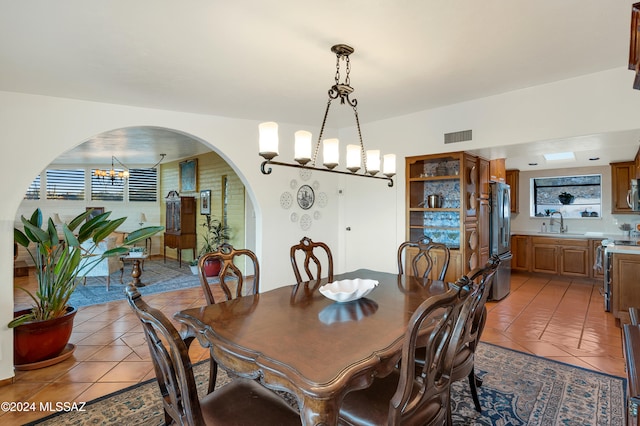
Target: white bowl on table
x,y
348,290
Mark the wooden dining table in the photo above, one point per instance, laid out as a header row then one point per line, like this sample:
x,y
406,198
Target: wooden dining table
x,y
295,339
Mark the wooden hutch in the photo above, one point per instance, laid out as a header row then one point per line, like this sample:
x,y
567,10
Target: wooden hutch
x,y
180,228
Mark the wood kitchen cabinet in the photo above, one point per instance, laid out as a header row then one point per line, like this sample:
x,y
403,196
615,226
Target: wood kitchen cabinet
x,y
461,218
625,288
621,175
520,249
497,170
564,256
512,178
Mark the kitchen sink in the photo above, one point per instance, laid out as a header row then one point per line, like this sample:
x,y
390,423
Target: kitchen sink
x,y
560,234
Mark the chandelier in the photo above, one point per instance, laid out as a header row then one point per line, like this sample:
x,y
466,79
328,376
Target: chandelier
x,y
115,176
356,156
119,176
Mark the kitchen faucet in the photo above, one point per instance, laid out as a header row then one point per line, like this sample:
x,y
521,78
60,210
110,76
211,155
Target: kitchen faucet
x,y
562,228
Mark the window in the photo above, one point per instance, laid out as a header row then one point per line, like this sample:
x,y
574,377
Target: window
x,y
65,184
104,189
33,192
573,196
143,184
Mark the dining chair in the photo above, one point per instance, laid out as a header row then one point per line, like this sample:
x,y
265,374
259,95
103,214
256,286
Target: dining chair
x,y
425,258
240,402
464,363
406,395
230,277
231,281
311,250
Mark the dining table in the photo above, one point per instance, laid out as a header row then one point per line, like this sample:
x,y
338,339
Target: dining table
x,y
295,339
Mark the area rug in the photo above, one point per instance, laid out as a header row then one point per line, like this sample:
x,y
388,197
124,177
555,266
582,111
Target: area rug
x,y
157,276
518,389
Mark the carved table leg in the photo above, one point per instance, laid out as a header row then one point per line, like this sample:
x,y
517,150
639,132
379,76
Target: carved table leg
x,y
136,272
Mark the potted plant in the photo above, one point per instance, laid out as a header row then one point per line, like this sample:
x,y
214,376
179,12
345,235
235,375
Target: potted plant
x,y
60,260
216,234
565,198
193,264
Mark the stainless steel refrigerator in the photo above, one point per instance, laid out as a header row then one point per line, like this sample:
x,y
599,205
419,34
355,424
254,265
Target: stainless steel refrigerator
x,y
500,238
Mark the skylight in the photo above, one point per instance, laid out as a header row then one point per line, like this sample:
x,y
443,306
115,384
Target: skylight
x,y
558,156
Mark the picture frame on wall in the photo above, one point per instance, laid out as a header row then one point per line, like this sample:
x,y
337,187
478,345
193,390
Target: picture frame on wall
x,y
205,201
188,175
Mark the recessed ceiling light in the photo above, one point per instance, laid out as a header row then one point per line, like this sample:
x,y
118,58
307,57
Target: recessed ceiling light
x,y
594,158
533,164
558,156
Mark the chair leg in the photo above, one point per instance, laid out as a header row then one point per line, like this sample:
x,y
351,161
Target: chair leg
x,y
474,390
108,282
213,374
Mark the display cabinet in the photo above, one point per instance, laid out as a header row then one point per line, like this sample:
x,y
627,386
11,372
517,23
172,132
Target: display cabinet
x,y
180,224
444,195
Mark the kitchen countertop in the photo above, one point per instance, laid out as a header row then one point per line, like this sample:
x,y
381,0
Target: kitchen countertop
x,y
579,235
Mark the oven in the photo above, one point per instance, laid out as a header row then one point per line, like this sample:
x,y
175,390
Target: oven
x,y
606,263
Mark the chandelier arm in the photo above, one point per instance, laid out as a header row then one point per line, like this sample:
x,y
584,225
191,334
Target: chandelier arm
x,y
263,168
300,166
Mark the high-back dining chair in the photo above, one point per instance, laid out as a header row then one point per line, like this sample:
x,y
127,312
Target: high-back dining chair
x,y
241,402
230,278
228,284
474,325
423,261
409,396
311,250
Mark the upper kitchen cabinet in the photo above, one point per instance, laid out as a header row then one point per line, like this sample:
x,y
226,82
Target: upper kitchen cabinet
x,y
512,178
497,170
637,164
621,175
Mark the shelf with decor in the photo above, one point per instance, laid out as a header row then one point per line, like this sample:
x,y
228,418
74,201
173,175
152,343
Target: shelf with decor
x,y
442,203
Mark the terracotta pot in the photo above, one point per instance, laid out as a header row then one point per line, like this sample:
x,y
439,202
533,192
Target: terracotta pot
x,y
212,267
41,340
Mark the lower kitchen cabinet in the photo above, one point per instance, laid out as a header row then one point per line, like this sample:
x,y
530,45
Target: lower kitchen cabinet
x,y
521,253
562,256
625,290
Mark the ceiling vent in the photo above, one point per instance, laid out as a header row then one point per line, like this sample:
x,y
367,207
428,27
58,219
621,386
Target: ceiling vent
x,y
462,136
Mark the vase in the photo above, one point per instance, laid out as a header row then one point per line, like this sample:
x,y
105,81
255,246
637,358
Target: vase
x,y
212,267
41,340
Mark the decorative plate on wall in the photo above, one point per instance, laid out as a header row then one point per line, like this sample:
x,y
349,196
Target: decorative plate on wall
x,y
322,199
305,174
286,200
306,197
305,222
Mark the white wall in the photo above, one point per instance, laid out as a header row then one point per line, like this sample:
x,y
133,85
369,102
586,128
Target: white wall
x,y
36,129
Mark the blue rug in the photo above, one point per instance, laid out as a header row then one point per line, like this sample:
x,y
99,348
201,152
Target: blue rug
x,y
157,276
518,389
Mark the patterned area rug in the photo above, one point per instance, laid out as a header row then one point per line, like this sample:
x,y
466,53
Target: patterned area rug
x,y
157,276
518,389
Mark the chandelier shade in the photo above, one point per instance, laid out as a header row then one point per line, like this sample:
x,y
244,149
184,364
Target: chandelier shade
x,y
306,158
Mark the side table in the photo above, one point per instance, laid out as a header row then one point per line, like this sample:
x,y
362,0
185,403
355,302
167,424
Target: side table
x,y
136,270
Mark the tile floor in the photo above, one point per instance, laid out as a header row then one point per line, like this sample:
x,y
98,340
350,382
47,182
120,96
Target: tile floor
x,y
555,318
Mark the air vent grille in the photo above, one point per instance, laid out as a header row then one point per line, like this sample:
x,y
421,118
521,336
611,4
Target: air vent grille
x,y
462,136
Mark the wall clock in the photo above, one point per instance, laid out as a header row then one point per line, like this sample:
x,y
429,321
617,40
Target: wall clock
x,y
306,197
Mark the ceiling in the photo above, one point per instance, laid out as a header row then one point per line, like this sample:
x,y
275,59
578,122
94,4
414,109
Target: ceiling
x,y
260,60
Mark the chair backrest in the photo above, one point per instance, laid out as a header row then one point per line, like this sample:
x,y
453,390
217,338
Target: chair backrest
x,y
477,315
231,279
423,262
440,318
311,250
171,362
